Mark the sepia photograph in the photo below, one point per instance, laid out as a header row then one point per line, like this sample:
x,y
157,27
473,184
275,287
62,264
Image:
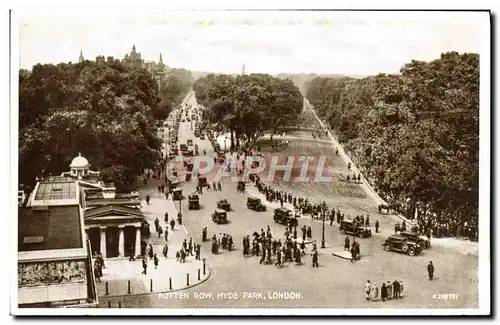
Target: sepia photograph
x,y
264,162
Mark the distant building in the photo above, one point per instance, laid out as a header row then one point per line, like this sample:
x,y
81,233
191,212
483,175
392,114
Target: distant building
x,y
81,59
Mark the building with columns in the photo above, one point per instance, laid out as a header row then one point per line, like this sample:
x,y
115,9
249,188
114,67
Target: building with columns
x,y
113,222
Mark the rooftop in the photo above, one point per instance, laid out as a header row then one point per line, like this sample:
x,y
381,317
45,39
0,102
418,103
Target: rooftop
x,y
56,188
49,228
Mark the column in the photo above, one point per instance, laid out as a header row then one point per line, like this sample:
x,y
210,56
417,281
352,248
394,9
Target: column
x,y
121,242
103,242
137,241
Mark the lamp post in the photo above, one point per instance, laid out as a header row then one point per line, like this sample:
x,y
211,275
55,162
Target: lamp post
x,y
323,235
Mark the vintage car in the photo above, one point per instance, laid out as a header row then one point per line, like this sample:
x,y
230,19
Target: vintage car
x,y
219,216
402,244
349,227
194,202
189,142
284,216
202,181
421,241
177,194
224,205
202,136
241,186
254,203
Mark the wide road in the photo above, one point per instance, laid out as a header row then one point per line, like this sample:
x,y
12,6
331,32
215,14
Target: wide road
x,y
337,283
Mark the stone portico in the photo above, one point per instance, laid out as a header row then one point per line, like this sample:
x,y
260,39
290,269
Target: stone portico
x,y
114,231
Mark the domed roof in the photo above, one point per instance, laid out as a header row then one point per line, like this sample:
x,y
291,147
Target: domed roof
x,y
79,162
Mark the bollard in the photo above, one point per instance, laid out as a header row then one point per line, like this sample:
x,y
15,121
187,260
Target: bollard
x,y
204,267
109,304
128,286
120,304
199,276
170,282
187,279
107,289
151,285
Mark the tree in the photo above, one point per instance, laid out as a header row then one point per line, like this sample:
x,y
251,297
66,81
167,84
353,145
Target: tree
x,y
416,133
105,110
248,105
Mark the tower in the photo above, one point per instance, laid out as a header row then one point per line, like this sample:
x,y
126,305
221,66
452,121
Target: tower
x,y
81,59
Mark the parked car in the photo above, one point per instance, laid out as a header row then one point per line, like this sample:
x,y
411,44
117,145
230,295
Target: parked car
x,y
401,244
284,216
219,216
254,203
421,241
194,202
349,227
224,205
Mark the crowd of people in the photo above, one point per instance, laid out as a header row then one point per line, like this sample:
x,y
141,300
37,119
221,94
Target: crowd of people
x,y
278,251
224,241
387,290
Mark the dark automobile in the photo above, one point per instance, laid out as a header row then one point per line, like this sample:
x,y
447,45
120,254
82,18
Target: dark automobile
x,y
254,203
241,186
194,202
423,243
177,194
285,217
402,244
202,181
349,227
224,205
202,136
219,216
183,147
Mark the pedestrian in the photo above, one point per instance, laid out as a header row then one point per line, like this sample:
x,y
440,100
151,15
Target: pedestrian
x,y
263,258
389,290
214,185
144,266
367,221
367,288
377,225
395,286
278,262
430,270
97,272
219,186
172,224
165,251
347,243
166,217
374,292
166,233
156,261
315,259
148,197
309,232
151,253
383,292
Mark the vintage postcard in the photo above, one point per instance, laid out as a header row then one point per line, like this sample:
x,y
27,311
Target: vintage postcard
x,y
183,162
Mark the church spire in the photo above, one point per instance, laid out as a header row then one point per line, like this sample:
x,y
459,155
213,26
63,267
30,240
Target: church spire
x,y
243,69
133,48
161,59
81,59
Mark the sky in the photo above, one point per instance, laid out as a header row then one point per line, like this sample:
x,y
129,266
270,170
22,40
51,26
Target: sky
x,y
323,42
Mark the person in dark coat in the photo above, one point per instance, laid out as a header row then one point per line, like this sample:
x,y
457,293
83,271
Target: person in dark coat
x,y
156,261
315,259
165,250
383,292
396,288
309,232
347,243
166,217
304,231
377,225
430,270
144,266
